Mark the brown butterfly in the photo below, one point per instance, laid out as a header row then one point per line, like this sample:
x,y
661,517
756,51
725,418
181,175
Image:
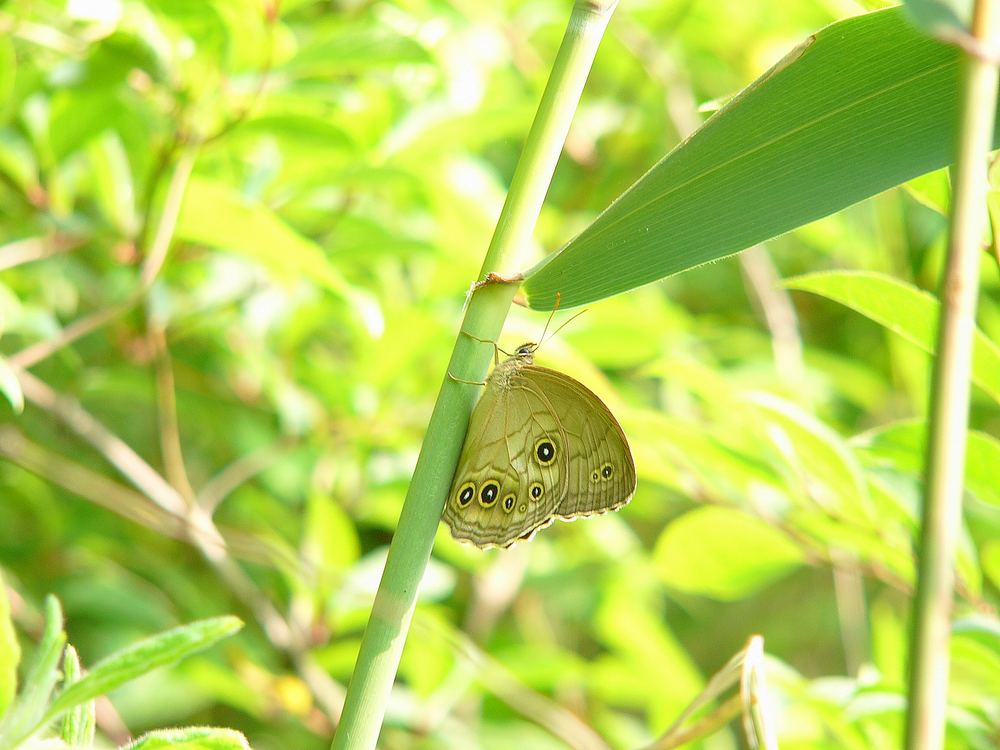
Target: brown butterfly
x,y
540,446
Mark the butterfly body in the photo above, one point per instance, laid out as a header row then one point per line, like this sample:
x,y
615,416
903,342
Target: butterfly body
x,y
540,446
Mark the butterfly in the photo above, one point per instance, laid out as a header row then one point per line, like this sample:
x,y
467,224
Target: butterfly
x,y
540,446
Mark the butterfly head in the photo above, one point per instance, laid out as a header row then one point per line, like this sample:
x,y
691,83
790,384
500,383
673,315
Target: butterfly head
x,y
525,353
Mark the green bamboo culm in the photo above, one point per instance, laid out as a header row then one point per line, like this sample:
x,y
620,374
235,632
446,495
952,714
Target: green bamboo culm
x,y
382,643
949,407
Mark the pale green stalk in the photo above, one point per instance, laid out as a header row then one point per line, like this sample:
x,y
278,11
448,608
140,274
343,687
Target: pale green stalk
x,y
949,410
382,644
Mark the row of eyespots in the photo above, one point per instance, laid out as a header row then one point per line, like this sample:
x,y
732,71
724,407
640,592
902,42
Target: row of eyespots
x,y
489,493
603,473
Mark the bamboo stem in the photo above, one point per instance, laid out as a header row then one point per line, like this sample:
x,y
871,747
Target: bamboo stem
x,y
382,643
949,409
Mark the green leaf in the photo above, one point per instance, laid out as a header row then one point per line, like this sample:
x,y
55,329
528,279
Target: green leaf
x,y
10,387
25,716
10,652
350,51
933,190
903,309
863,105
901,445
821,465
191,738
78,724
723,553
142,657
215,214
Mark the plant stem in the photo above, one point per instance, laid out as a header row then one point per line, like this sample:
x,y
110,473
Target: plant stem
x,y
949,409
382,643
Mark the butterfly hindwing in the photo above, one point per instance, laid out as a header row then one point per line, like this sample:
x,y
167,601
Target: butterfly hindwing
x,y
512,473
601,473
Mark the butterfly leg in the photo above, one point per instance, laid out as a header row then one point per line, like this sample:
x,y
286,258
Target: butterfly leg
x,y
496,349
467,382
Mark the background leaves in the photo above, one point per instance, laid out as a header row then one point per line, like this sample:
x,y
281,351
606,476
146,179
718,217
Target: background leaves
x,y
275,361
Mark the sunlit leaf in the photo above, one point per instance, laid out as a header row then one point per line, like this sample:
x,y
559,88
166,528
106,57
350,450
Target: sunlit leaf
x,y
216,215
723,553
820,464
903,309
902,445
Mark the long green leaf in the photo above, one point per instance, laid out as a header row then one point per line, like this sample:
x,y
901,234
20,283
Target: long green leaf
x,y
144,656
903,309
863,105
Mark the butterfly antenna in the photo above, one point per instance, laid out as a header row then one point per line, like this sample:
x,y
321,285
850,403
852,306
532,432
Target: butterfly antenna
x,y
565,323
547,322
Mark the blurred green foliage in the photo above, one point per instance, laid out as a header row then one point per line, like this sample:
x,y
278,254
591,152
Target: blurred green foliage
x,y
265,217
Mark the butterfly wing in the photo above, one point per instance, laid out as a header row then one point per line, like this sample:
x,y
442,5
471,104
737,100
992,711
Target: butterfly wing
x,y
601,473
512,473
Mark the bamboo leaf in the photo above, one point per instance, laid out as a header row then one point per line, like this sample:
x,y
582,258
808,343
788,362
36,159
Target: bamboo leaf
x,y
863,105
903,309
144,656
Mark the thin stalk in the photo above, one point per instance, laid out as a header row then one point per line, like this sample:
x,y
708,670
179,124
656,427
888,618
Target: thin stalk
x,y
382,643
949,409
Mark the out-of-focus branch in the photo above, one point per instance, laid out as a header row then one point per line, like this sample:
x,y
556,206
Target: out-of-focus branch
x,y
244,468
166,407
198,525
88,484
114,449
31,249
776,307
